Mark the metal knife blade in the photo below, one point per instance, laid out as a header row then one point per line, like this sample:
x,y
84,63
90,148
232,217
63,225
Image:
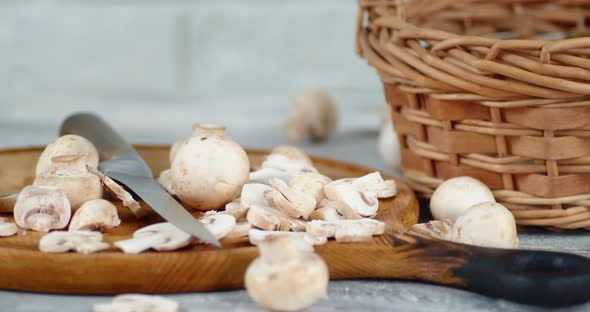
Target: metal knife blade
x,y
122,163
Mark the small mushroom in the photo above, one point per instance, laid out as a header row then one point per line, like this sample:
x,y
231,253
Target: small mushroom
x,y
209,170
257,237
486,224
328,211
346,231
69,173
125,197
42,208
454,196
271,219
79,241
294,203
373,185
7,228
70,144
388,143
219,224
344,192
165,180
240,230
95,215
291,152
440,229
310,183
313,114
287,276
160,236
137,303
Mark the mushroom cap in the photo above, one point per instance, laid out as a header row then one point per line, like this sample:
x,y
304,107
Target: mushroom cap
x,y
174,149
79,241
454,196
486,224
42,208
209,171
96,214
310,183
137,302
69,144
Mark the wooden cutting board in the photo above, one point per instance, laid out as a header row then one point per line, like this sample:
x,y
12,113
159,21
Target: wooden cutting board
x,y
196,268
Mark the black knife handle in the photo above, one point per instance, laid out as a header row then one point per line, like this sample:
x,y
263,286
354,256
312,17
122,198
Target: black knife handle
x,y
90,126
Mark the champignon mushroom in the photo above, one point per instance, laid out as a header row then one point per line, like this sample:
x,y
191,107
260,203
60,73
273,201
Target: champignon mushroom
x,y
271,219
295,204
125,197
328,211
69,173
256,194
95,215
373,185
69,144
440,229
241,229
310,183
137,303
165,180
42,208
287,276
281,167
454,196
257,237
209,170
79,241
346,231
344,192
7,228
291,152
486,224
313,114
388,143
219,224
160,236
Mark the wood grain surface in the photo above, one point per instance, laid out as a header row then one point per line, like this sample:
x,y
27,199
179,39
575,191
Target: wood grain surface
x,y
197,267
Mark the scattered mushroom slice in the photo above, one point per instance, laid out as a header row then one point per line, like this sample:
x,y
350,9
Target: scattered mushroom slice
x,y
343,191
313,114
271,219
165,180
160,236
121,194
240,230
137,303
7,203
373,185
435,228
219,224
327,212
70,174
95,215
70,144
347,230
291,152
256,194
487,224
42,208
310,183
79,241
294,203
287,276
7,228
256,237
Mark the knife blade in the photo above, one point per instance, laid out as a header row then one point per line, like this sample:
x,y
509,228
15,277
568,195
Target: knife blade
x,y
121,162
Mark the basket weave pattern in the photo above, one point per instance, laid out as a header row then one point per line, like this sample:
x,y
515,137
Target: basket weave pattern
x,y
493,90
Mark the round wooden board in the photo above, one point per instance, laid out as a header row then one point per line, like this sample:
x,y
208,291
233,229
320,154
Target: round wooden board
x,y
195,268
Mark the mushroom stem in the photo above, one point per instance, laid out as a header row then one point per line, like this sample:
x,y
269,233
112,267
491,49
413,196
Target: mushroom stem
x,y
138,244
208,129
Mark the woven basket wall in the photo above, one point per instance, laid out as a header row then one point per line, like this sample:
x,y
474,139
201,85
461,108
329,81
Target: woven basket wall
x,y
490,89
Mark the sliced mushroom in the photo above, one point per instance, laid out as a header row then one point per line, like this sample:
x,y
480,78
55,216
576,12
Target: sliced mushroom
x,y
328,211
310,183
42,208
160,236
435,228
95,215
70,144
79,241
256,194
240,230
69,173
347,230
373,185
343,191
257,237
137,303
264,175
125,197
7,228
165,180
294,203
219,224
285,164
271,219
291,152
235,209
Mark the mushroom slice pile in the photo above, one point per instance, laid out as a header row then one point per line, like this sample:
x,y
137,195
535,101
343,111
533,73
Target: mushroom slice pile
x,y
219,224
160,236
373,184
294,203
95,215
346,231
120,193
311,183
435,228
345,193
7,228
271,219
257,237
165,180
332,211
137,303
80,241
42,208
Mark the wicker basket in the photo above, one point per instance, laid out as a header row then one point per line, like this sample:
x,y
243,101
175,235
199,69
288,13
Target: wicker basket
x,y
490,89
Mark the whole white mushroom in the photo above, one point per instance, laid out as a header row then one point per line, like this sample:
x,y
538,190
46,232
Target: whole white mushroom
x,y
210,169
454,196
486,224
387,142
69,144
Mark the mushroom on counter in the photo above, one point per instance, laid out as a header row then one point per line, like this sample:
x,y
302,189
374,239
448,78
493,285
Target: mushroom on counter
x,y
487,224
95,215
70,144
79,241
454,196
42,208
288,275
137,303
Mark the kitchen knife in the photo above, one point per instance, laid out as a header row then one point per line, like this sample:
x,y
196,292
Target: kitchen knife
x,y
121,162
